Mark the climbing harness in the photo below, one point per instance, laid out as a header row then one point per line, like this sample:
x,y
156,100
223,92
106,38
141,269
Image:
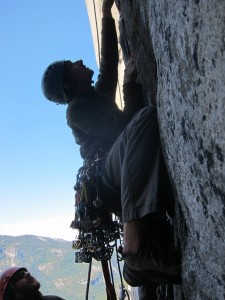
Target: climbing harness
x,y
98,230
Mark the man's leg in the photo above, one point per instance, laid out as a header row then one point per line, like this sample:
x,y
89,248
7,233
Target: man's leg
x,y
135,165
132,237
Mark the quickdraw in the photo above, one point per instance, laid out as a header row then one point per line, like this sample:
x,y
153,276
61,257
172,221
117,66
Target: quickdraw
x,y
98,230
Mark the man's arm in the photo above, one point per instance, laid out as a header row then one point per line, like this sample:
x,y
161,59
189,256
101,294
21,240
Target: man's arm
x,y
106,8
107,79
132,91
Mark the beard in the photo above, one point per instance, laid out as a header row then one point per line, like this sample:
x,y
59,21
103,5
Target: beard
x,y
30,290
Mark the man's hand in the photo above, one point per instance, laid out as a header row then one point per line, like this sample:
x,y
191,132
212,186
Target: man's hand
x,y
130,72
108,3
106,8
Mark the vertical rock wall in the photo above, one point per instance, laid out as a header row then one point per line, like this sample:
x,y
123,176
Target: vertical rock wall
x,y
180,49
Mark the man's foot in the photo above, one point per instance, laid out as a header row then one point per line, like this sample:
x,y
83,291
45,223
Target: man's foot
x,y
138,278
166,263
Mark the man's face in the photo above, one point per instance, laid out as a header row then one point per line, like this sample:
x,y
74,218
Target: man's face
x,y
26,284
78,72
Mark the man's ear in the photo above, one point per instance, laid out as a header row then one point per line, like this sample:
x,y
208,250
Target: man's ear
x,y
67,85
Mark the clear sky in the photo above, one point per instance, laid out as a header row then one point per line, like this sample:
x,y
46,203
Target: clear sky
x,y
38,156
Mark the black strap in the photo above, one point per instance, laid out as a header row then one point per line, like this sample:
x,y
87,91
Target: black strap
x,y
88,281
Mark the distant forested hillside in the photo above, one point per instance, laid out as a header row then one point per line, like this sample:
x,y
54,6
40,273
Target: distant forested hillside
x,y
51,261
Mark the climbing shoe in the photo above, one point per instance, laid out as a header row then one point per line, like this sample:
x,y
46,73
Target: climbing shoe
x,y
138,278
165,265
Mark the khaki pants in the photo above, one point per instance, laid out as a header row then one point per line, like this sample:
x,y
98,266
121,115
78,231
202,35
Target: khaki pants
x,y
133,176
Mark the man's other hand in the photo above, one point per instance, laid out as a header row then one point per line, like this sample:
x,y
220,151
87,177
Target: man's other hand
x,y
130,72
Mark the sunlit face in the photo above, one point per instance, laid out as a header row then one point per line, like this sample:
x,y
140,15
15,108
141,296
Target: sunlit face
x,y
25,283
77,71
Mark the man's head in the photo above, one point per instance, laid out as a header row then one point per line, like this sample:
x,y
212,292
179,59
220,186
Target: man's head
x,y
17,281
62,80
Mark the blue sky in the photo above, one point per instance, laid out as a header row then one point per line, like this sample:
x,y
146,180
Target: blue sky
x,y
38,156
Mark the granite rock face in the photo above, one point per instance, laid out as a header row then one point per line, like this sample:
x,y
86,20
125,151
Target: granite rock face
x,y
180,50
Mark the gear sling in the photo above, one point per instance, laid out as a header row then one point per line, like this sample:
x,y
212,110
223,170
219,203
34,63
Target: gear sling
x,y
98,231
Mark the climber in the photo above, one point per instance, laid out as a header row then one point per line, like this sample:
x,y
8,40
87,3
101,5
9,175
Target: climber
x,y
133,173
16,283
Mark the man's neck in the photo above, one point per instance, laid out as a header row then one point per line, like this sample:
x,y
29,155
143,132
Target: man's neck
x,y
84,89
34,296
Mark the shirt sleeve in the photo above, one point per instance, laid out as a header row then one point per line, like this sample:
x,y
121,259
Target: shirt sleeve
x,y
108,73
